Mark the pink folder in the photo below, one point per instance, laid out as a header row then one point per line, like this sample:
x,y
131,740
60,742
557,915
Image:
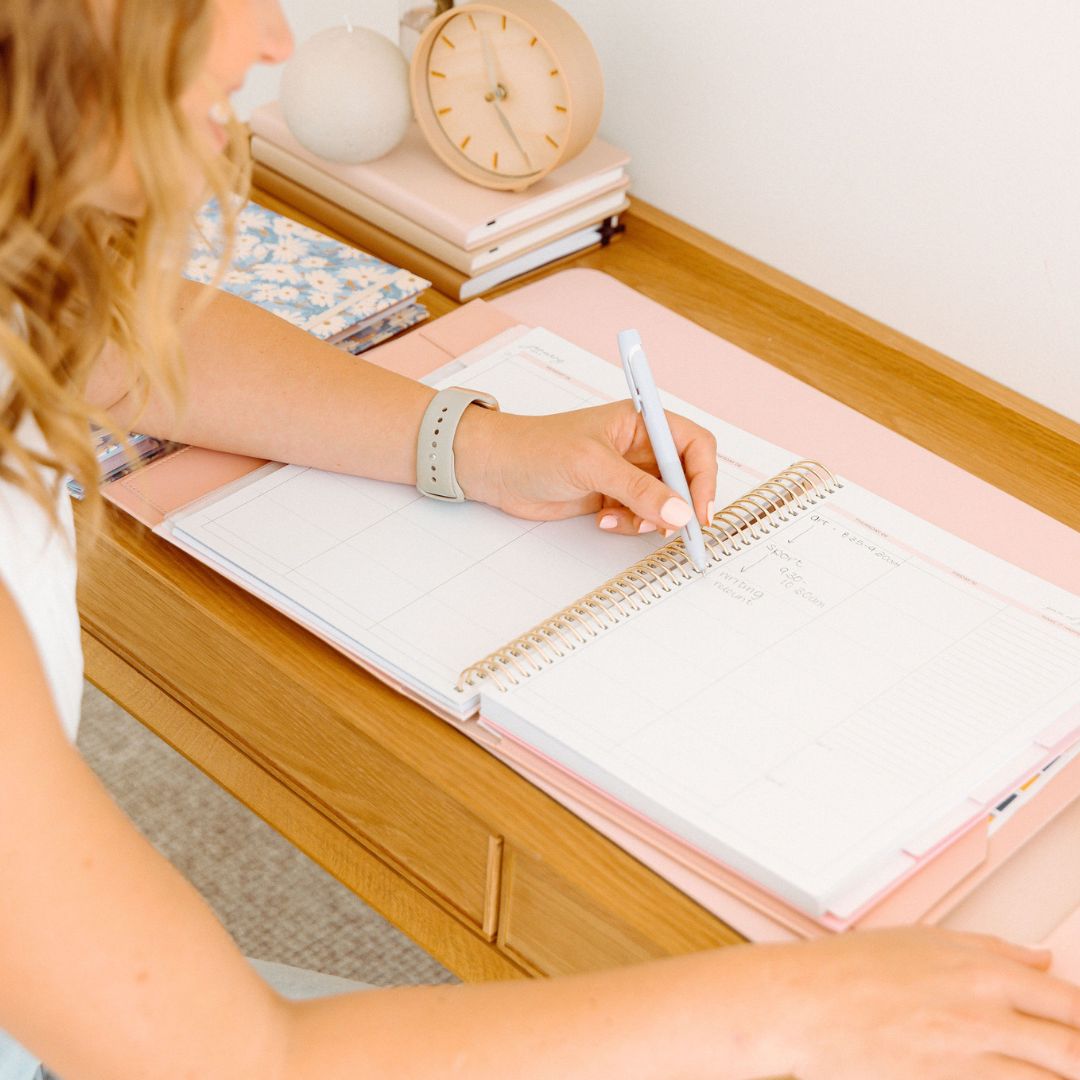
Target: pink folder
x,y
965,879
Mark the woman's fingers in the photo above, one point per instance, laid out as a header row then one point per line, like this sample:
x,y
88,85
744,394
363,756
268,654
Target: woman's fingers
x,y
1032,955
641,493
999,1068
641,502
1043,1044
1049,998
697,448
617,519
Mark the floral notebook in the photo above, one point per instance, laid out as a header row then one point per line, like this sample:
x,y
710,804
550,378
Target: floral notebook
x,y
332,290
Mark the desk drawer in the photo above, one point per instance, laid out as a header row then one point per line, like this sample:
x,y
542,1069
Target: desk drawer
x,y
550,925
300,712
394,811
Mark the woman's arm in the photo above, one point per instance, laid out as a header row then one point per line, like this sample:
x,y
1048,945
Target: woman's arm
x,y
259,385
113,967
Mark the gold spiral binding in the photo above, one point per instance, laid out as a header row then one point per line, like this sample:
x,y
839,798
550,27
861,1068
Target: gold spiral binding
x,y
738,525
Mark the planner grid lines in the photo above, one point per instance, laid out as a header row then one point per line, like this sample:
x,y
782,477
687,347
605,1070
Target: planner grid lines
x,y
423,587
806,741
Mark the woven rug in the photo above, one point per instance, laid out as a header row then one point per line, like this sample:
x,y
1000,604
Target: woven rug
x,y
277,904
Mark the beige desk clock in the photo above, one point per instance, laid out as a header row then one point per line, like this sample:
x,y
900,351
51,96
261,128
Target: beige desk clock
x,y
506,90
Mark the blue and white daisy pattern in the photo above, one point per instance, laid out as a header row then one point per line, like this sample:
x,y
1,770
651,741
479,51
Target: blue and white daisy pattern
x,y
319,284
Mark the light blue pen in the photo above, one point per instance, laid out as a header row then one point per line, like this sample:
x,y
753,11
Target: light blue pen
x,y
646,400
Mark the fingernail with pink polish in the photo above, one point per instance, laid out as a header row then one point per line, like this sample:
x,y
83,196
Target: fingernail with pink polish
x,y
646,527
608,521
676,512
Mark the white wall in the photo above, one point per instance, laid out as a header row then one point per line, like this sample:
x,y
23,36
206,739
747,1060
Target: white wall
x,y
916,159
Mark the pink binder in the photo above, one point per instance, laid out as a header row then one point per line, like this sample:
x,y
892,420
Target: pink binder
x,y
965,880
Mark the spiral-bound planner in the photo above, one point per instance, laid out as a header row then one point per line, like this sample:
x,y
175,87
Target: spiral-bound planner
x,y
845,685
734,527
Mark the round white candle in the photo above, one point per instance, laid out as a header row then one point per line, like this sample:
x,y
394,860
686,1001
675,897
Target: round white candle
x,y
345,94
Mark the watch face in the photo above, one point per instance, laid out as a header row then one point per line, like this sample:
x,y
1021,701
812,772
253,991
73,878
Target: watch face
x,y
497,94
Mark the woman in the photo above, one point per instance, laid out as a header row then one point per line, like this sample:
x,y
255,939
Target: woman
x,y
111,965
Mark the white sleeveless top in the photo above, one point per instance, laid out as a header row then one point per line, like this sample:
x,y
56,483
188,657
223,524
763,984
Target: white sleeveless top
x,y
37,566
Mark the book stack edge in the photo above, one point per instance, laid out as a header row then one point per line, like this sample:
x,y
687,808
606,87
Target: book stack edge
x,y
407,207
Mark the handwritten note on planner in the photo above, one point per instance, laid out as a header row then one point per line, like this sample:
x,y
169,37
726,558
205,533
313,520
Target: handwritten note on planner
x,y
809,709
422,588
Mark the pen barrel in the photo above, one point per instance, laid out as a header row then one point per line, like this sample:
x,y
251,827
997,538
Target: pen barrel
x,y
647,397
667,456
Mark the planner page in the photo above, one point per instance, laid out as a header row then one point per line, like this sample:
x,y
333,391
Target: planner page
x,y
824,705
420,588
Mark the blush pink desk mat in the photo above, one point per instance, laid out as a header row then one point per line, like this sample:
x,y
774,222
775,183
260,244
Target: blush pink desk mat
x,y
589,307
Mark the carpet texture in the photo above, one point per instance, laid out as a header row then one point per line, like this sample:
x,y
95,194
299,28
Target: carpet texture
x,y
277,904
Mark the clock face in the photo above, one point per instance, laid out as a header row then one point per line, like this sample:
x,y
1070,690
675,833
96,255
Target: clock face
x,y
497,94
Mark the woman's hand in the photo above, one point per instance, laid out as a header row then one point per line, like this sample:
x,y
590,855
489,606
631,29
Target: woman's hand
x,y
590,461
903,1004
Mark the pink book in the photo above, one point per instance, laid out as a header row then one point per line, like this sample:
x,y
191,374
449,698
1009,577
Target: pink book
x,y
411,182
588,308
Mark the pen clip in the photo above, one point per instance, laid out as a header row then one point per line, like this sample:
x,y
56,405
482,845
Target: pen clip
x,y
630,343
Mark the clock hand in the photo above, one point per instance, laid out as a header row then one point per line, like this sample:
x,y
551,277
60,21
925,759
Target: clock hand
x,y
495,95
513,135
489,66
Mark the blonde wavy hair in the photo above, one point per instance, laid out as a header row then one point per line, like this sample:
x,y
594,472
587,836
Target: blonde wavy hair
x,y
78,88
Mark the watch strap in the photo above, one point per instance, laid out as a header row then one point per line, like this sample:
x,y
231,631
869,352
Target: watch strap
x,y
435,474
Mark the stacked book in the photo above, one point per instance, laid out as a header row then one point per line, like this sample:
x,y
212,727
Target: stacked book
x,y
340,295
409,208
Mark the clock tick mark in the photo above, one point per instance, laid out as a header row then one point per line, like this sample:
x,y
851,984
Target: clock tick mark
x,y
552,141
465,141
533,42
443,112
438,74
495,160
448,41
471,21
560,108
504,22
554,71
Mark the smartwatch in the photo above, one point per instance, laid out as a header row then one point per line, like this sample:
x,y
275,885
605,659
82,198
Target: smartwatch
x,y
435,476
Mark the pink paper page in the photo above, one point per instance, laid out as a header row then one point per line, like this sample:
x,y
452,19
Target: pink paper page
x,y
588,308
149,493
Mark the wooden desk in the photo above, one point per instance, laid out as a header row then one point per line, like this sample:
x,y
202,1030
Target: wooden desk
x,y
485,872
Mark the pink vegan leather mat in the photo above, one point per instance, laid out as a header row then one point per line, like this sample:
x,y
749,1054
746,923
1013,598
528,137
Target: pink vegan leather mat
x,y
588,308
